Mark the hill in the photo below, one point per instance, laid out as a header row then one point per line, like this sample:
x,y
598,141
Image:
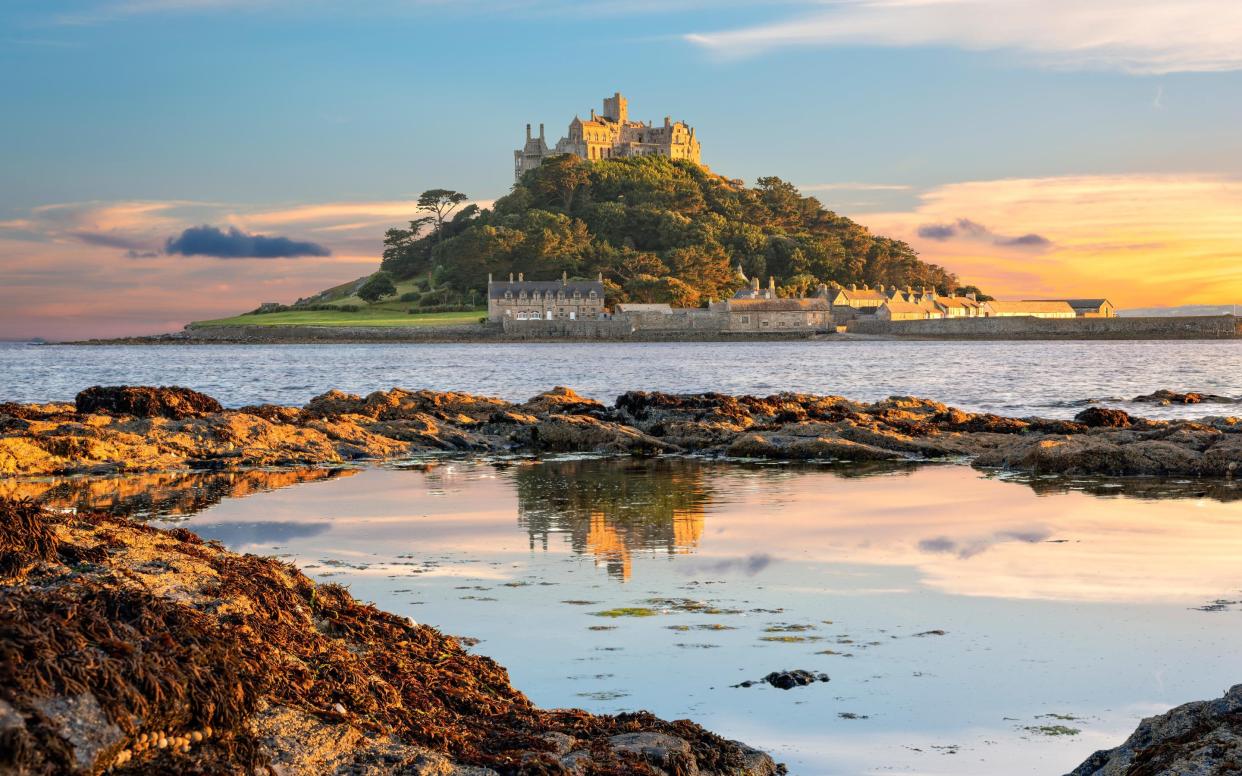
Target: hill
x,y
658,230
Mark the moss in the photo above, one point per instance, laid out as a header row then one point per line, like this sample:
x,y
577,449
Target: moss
x,y
627,611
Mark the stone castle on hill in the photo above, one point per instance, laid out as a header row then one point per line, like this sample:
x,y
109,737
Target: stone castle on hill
x,y
610,135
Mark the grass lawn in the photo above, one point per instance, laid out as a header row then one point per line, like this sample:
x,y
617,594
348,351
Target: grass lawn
x,y
379,315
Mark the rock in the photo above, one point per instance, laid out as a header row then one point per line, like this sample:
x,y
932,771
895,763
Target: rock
x,y
1165,396
787,680
1103,417
671,754
83,727
561,400
1203,738
145,401
580,433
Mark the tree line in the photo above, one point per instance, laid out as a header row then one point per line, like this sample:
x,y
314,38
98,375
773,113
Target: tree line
x,y
658,230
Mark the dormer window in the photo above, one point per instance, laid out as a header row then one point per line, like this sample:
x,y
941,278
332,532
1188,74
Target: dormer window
x,y
592,294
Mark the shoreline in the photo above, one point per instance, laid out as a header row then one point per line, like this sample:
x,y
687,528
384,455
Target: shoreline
x,y
137,428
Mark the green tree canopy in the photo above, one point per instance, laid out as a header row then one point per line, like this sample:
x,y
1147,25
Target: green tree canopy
x,y
377,287
644,223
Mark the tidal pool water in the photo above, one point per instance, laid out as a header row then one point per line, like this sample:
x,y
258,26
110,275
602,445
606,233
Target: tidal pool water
x,y
970,623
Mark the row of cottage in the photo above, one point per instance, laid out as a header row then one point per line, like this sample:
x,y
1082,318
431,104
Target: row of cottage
x,y
756,308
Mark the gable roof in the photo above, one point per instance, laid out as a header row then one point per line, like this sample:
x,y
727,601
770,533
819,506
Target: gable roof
x,y
812,304
496,289
861,294
1079,304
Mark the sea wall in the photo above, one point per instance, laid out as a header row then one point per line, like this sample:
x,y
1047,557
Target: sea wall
x,y
1022,328
472,332
697,327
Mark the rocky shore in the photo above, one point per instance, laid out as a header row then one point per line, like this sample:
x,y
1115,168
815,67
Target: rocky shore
x,y
1203,738
128,649
129,429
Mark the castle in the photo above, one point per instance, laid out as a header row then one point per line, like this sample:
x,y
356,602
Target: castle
x,y
610,135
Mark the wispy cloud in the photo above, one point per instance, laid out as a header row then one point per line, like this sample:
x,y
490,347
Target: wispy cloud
x,y
1135,36
966,229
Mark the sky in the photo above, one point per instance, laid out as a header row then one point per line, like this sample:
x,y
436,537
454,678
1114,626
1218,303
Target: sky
x,y
163,161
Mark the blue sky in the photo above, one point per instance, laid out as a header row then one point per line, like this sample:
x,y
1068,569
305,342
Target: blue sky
x,y
219,110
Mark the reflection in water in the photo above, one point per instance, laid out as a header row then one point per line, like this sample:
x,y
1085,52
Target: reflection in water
x,y
1147,488
954,610
163,494
611,509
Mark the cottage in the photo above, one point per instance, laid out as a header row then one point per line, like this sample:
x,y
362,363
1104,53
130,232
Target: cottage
x,y
897,310
778,315
851,302
959,306
549,300
1088,308
1029,308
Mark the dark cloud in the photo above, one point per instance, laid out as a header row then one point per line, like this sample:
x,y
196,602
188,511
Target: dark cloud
x,y
938,232
940,544
965,229
1025,241
943,545
236,244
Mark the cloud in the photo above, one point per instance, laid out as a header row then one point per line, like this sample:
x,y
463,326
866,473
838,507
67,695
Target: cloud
x,y
236,244
1133,36
750,565
110,240
964,228
1140,240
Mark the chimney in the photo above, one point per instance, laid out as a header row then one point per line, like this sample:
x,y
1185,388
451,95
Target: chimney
x,y
528,132
489,278
510,278
600,278
521,277
853,286
772,283
541,130
667,122
754,283
564,277
880,288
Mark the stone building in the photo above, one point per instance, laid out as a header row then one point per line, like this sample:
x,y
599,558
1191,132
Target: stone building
x,y
807,313
900,310
851,302
1087,308
611,135
546,300
1002,309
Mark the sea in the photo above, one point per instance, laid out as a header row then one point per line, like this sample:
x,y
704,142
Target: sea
x,y
969,622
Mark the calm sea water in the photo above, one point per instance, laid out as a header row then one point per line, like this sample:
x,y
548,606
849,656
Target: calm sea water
x,y
1053,379
962,618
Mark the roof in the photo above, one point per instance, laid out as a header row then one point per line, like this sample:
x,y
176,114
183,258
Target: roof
x,y
496,289
1086,304
631,307
1032,306
898,306
814,303
958,301
863,293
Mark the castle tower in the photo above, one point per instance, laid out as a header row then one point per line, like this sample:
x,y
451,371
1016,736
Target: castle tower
x,y
616,108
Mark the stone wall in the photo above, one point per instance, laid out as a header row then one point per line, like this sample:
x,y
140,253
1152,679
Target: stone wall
x,y
290,334
1197,327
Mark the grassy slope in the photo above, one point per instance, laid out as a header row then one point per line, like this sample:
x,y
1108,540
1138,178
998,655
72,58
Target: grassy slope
x,y
372,316
390,312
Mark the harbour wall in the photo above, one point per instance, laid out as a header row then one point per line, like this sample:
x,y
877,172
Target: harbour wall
x,y
1024,328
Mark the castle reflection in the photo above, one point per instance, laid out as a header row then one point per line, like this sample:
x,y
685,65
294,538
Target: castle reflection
x,y
612,511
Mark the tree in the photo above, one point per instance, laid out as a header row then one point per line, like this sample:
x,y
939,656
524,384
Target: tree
x,y
559,179
377,287
440,203
979,295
